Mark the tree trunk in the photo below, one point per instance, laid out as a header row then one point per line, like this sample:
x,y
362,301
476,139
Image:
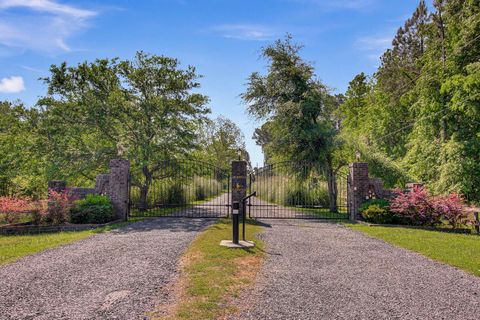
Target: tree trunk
x,y
441,28
332,189
143,203
443,130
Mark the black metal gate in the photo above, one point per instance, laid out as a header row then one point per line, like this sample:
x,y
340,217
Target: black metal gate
x,y
300,191
180,188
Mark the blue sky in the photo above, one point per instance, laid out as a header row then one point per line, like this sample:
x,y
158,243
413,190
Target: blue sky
x,y
222,38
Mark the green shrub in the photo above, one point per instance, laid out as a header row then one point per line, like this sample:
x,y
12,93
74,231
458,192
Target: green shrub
x,y
320,197
92,209
200,192
376,214
176,194
295,195
376,211
382,203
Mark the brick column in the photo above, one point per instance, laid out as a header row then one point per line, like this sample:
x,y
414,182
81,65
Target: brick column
x,y
239,180
117,189
359,182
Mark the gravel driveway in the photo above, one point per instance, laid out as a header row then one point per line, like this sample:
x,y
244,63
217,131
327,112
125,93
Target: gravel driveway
x,y
318,270
117,275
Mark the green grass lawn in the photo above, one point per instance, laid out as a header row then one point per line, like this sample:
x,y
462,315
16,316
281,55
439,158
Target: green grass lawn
x,y
211,275
459,250
13,247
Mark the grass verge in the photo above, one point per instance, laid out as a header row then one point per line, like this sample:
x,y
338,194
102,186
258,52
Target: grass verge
x,y
212,275
459,250
14,247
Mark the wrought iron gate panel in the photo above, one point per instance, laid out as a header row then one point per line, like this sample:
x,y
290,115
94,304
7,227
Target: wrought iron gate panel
x,y
297,190
181,188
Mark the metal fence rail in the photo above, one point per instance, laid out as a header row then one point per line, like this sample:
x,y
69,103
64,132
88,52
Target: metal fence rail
x,y
299,191
181,188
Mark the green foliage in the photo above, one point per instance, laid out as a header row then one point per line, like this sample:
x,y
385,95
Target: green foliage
x,y
382,203
93,209
376,211
298,108
220,140
376,214
420,109
289,191
144,109
176,192
21,162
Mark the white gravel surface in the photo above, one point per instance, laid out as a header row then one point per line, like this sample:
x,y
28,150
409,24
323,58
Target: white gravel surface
x,y
317,270
117,275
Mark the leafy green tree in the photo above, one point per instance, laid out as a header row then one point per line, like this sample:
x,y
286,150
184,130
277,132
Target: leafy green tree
x,y
263,138
221,140
298,109
21,163
421,113
143,110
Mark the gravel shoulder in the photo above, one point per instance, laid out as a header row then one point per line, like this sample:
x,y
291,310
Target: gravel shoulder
x,y
122,274
319,270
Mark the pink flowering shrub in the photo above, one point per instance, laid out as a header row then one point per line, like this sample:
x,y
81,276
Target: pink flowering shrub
x,y
59,205
38,211
13,208
419,208
451,208
415,206
16,208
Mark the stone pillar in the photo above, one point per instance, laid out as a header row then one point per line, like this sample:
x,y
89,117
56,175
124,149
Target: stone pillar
x,y
57,185
118,186
101,183
359,184
239,180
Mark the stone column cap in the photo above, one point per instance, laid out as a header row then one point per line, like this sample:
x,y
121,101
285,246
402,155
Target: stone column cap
x,y
119,162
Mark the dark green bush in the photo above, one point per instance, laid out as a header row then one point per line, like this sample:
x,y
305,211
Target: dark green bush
x,y
176,194
92,209
295,195
200,192
304,195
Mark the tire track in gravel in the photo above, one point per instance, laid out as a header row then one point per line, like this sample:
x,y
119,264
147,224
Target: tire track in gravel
x,y
122,274
319,270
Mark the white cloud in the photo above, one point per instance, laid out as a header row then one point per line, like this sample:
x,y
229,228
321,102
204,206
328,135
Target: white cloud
x,y
374,46
341,4
352,4
47,6
43,25
245,32
13,84
374,43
